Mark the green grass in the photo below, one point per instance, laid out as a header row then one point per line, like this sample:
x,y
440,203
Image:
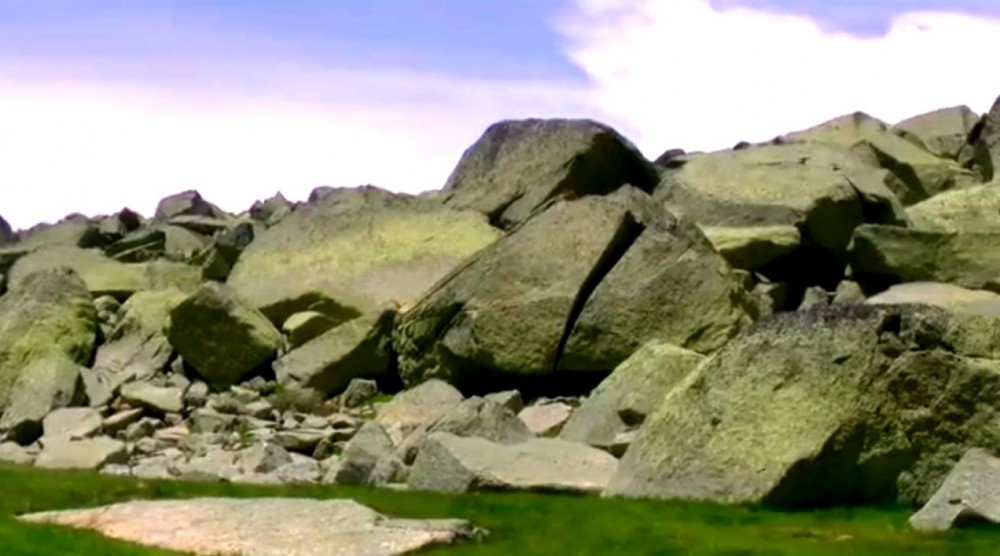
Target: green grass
x,y
520,524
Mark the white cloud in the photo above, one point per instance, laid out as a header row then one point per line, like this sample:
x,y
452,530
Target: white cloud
x,y
93,147
678,73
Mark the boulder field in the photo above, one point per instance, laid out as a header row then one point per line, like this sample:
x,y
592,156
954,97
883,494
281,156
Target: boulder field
x,y
807,322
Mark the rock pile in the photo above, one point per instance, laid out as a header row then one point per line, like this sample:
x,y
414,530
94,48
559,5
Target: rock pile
x,y
805,322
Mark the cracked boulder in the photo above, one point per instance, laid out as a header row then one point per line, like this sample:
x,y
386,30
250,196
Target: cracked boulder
x,y
353,252
576,288
835,405
519,166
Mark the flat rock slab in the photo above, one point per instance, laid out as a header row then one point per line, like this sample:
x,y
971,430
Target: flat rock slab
x,y
261,527
449,463
971,491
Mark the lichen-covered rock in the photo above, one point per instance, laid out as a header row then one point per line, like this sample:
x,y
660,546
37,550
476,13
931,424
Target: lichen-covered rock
x,y
50,310
576,288
754,247
970,493
984,153
915,173
943,132
947,296
973,209
517,166
841,404
634,390
50,381
884,255
220,335
355,251
356,349
305,326
186,203
72,231
103,276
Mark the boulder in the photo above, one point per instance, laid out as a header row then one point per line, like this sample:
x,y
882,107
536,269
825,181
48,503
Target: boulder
x,y
943,132
885,255
575,288
819,189
915,173
358,393
248,526
272,210
754,247
983,155
303,327
354,252
634,390
89,453
518,166
72,423
421,404
159,399
973,209
358,348
970,493
358,460
14,453
835,405
72,231
475,417
218,259
449,463
186,203
103,276
220,335
50,381
545,419
948,296
50,310
137,348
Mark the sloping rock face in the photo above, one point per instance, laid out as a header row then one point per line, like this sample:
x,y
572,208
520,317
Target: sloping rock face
x,y
518,166
585,279
6,233
843,404
885,255
943,132
970,493
50,310
914,172
51,381
353,252
260,527
821,190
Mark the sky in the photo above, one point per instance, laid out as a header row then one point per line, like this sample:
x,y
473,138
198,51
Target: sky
x,y
112,103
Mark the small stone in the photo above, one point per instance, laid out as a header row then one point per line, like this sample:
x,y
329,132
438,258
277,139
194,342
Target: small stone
x,y
260,409
172,435
156,398
143,428
300,472
121,420
546,419
207,420
301,440
196,395
263,457
511,399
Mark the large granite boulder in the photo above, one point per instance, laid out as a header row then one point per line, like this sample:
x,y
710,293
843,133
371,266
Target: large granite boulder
x,y
943,132
983,155
819,189
915,173
355,251
576,288
50,381
972,209
50,310
220,335
843,404
885,255
518,166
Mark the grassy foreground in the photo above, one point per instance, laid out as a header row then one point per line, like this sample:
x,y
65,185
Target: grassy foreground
x,y
520,524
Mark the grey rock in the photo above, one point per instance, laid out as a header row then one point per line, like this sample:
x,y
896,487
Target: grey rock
x,y
196,395
511,399
263,457
301,472
47,383
12,452
546,419
419,405
121,420
89,453
156,398
848,291
363,452
359,392
301,440
451,463
72,423
970,491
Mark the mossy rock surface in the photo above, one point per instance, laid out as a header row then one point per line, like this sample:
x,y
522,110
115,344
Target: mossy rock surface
x,y
834,405
517,166
973,209
103,275
48,310
221,335
355,251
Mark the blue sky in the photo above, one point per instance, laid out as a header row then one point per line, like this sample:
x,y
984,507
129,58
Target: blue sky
x,y
107,103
